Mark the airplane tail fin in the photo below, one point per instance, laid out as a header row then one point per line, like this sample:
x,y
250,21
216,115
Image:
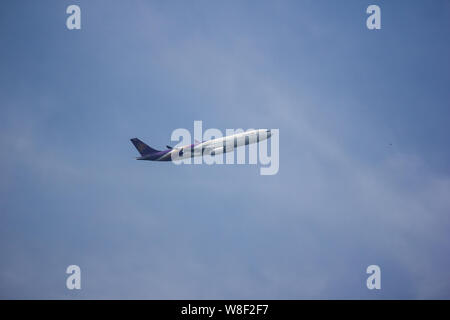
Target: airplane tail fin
x,y
142,147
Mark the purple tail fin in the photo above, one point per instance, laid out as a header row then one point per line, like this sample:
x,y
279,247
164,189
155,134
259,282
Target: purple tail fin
x,y
142,147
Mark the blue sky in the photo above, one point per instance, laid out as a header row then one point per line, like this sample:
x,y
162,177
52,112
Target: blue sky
x,y
340,94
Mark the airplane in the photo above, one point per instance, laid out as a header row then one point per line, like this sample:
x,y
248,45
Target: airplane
x,y
211,147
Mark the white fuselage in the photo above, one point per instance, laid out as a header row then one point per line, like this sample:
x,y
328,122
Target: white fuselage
x,y
219,145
